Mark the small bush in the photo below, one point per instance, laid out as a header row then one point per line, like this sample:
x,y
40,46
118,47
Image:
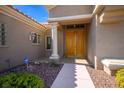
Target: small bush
x,y
120,78
21,80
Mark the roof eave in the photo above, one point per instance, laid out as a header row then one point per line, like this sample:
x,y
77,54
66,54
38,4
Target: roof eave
x,y
14,13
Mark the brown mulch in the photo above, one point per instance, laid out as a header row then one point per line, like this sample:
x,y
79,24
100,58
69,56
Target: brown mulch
x,y
101,79
47,72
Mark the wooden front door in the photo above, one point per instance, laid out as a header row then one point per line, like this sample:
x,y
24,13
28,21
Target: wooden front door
x,y
75,43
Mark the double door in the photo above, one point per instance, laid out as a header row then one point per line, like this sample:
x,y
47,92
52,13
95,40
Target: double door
x,y
75,43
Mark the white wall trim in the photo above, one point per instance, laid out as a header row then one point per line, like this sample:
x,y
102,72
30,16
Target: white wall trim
x,y
6,10
97,9
67,18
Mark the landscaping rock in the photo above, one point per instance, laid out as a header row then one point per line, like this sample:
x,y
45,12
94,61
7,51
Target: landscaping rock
x,y
101,79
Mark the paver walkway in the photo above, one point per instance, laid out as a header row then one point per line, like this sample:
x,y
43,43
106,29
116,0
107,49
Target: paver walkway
x,y
73,76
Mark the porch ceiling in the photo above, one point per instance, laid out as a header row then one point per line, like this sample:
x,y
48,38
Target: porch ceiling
x,y
68,19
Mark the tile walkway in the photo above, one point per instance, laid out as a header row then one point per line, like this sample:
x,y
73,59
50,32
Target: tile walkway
x,y
73,76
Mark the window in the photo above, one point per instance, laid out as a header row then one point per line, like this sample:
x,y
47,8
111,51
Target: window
x,y
74,26
35,37
48,42
2,35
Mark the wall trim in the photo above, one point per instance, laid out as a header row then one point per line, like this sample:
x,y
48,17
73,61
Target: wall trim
x,y
113,16
97,9
11,12
67,18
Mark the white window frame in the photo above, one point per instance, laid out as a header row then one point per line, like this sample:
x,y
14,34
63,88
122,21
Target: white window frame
x,y
46,43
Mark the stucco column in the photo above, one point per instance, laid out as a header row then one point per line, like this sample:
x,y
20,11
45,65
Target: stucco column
x,y
54,41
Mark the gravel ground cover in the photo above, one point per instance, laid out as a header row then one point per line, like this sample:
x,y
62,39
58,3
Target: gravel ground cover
x,y
101,79
44,70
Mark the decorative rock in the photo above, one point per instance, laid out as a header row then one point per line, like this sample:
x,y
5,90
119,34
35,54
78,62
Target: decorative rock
x,y
40,70
101,79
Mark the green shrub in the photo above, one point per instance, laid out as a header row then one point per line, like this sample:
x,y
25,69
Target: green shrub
x,y
21,80
120,78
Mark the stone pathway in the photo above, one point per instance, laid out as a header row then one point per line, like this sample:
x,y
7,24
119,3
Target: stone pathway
x,y
73,76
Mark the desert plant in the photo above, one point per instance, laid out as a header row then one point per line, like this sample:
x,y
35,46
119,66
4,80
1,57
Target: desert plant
x,y
21,80
120,78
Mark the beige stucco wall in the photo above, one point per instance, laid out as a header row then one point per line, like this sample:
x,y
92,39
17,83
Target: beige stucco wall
x,y
19,44
91,48
70,10
61,42
105,40
110,41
